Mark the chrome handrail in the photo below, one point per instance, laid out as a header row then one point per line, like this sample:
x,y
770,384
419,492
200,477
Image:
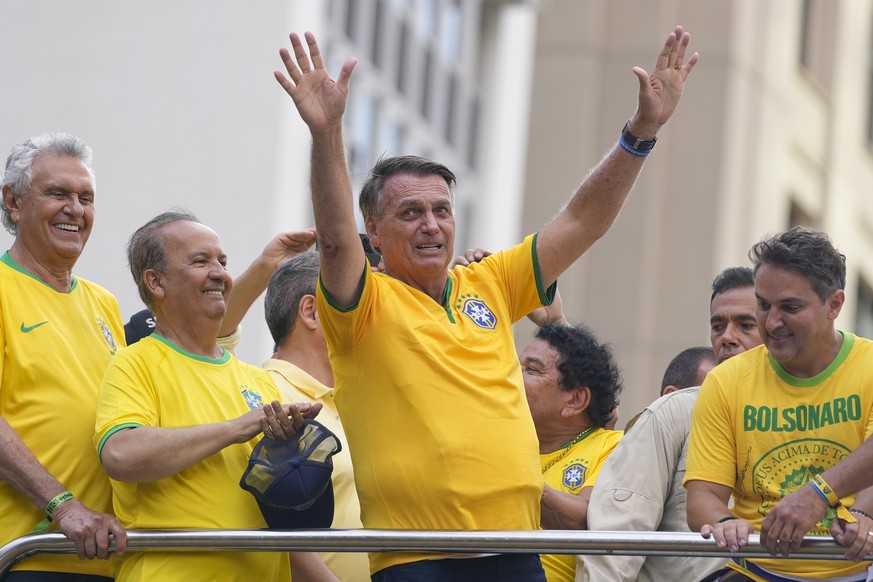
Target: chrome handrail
x,y
623,543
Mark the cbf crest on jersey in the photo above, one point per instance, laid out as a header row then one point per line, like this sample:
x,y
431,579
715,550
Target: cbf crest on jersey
x,y
477,311
108,335
252,398
574,476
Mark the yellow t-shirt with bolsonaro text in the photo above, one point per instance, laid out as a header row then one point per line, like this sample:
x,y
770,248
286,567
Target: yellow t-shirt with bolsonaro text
x,y
764,433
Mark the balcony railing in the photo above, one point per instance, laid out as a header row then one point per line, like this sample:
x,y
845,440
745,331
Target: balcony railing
x,y
369,540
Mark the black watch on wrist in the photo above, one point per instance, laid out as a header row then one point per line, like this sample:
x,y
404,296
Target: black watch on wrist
x,y
633,142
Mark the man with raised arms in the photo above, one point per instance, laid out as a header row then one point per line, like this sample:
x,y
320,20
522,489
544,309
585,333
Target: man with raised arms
x,y
427,379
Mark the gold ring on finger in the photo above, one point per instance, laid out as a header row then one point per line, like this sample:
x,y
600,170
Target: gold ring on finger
x,y
677,66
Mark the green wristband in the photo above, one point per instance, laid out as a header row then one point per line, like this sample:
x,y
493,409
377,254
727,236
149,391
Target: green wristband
x,y
50,510
57,500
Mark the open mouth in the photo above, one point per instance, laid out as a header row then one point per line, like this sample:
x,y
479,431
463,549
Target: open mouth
x,y
67,227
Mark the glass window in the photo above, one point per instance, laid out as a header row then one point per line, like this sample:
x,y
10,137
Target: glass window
x,y
378,34
427,85
352,19
452,102
797,216
870,93
864,314
452,33
426,18
362,132
389,137
805,33
472,141
403,56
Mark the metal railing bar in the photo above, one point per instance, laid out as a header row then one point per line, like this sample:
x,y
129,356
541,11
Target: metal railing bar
x,y
622,543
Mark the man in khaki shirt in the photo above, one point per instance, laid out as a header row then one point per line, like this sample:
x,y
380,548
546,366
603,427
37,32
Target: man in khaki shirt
x,y
640,486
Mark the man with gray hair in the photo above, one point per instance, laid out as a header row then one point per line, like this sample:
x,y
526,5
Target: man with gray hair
x,y
58,333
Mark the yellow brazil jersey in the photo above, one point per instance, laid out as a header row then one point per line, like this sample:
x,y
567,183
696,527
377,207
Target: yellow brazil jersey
x,y
433,403
54,349
569,470
155,383
763,433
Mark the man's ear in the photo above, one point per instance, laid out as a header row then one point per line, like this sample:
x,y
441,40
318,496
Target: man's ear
x,y
835,303
10,200
669,389
307,313
154,283
370,226
577,401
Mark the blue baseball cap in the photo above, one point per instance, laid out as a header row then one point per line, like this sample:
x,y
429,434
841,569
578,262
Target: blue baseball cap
x,y
291,479
141,324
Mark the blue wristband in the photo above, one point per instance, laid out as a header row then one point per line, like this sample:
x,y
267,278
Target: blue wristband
x,y
634,145
820,493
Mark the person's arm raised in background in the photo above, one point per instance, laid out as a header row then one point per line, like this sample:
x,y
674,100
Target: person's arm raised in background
x,y
254,280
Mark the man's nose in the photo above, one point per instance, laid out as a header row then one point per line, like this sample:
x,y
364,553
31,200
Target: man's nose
x,y
429,222
729,338
74,205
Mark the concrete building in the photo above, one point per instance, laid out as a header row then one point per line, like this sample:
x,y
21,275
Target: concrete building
x,y
520,98
774,130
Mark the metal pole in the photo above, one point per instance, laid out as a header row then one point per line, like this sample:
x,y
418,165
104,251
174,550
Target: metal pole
x,y
368,540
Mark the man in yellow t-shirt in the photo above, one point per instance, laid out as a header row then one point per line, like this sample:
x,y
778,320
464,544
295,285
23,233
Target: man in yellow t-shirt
x,y
58,333
178,416
427,380
771,420
572,384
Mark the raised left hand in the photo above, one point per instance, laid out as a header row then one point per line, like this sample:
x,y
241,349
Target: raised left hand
x,y
661,91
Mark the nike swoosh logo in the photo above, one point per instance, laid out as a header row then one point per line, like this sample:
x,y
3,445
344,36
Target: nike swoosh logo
x,y
29,328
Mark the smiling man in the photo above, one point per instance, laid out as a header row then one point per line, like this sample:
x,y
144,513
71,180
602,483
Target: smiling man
x,y
771,420
178,416
572,383
58,333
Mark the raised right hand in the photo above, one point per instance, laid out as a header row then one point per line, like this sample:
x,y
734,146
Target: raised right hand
x,y
320,100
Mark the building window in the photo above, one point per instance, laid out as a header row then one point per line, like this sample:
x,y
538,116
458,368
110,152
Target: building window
x,y
870,91
452,33
379,34
797,216
421,76
352,20
817,39
864,314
